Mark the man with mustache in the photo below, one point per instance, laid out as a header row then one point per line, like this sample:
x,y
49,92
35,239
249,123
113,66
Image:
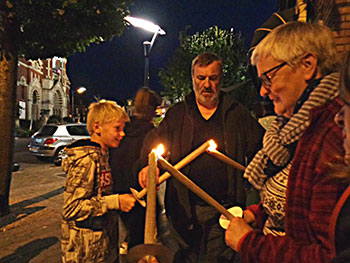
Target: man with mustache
x,y
205,114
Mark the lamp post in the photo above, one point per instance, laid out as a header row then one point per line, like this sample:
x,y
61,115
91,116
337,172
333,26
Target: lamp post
x,y
79,90
147,45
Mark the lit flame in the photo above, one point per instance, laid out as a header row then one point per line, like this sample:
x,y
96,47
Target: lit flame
x,y
160,150
212,146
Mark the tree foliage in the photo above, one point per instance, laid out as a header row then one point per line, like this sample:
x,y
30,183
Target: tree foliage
x,y
176,77
43,29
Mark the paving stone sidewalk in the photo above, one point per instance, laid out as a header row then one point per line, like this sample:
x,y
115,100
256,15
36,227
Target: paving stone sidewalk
x,y
31,232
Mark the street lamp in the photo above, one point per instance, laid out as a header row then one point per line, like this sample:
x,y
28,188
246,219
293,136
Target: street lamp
x,y
79,90
147,45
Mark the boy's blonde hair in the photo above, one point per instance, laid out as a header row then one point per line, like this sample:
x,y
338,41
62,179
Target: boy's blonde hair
x,y
105,111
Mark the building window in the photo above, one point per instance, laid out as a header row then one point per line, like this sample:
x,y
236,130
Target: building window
x,y
58,102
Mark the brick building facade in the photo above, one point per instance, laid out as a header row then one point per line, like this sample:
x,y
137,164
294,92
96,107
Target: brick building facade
x,y
42,90
333,13
341,21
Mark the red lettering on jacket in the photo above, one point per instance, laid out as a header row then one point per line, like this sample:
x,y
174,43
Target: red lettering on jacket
x,y
106,179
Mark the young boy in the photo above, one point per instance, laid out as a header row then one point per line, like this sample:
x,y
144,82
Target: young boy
x,y
89,225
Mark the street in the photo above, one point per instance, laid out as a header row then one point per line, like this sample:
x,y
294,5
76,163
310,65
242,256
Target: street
x,y
31,232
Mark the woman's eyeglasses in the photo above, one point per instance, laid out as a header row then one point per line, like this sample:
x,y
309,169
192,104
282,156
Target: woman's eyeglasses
x,y
266,79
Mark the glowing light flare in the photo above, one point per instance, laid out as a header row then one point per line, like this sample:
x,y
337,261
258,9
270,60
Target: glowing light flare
x,y
81,90
144,24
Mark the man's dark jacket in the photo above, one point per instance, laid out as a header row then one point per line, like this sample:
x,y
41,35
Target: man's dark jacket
x,y
242,139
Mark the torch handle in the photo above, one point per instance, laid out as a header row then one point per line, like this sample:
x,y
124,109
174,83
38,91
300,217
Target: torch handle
x,y
150,224
227,160
194,188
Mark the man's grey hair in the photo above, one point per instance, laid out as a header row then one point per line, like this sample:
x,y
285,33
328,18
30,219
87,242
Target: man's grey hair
x,y
205,59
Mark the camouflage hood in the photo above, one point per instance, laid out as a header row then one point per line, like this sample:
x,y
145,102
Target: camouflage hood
x,y
78,150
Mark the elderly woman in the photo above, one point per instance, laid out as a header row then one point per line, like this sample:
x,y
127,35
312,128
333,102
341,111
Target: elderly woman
x,y
296,64
340,220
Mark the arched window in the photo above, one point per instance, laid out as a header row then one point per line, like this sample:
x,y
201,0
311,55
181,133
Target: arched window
x,y
35,106
58,102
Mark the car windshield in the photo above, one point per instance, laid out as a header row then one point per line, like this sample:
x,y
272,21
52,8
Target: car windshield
x,y
47,130
77,130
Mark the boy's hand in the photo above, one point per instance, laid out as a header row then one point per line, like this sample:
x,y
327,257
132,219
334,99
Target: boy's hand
x,y
143,175
126,202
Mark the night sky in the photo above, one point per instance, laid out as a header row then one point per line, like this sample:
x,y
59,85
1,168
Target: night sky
x,y
115,69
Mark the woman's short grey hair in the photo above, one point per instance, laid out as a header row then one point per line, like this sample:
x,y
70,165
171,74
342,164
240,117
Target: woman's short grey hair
x,y
290,41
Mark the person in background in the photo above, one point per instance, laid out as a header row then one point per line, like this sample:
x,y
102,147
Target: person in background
x,y
340,220
297,64
205,114
89,221
123,161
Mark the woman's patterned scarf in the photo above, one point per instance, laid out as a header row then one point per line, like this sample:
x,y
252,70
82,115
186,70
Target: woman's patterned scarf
x,y
279,136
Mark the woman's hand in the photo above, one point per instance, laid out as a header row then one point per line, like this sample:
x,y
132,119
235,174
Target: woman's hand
x,y
237,228
249,217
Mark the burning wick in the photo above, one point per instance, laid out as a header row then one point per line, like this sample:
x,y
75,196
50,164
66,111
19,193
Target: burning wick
x,y
212,151
212,146
159,150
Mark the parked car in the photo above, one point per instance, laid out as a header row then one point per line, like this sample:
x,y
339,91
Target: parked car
x,y
49,141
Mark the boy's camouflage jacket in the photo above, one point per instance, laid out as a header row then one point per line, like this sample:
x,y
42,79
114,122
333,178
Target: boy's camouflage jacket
x,y
89,230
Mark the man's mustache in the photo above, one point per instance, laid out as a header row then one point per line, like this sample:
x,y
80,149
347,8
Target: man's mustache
x,y
208,90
